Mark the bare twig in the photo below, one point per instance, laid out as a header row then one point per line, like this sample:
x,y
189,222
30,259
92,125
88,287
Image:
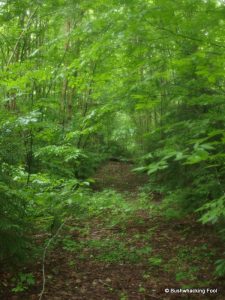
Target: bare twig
x,y
44,257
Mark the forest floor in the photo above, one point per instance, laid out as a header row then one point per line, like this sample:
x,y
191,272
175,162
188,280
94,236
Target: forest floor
x,y
136,254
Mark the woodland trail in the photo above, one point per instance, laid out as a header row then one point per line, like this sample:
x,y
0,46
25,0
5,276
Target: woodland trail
x,y
119,176
89,91
90,261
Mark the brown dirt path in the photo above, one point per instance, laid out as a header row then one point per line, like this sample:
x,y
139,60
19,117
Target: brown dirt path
x,y
77,275
119,176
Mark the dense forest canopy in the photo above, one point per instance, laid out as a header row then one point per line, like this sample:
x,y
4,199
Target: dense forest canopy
x,y
82,82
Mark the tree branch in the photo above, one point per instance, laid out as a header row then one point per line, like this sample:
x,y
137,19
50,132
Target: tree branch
x,y
21,35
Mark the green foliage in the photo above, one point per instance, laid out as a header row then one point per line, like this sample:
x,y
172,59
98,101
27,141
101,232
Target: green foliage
x,y
180,276
13,224
84,81
185,265
123,296
155,261
23,282
113,251
71,245
215,210
106,250
220,267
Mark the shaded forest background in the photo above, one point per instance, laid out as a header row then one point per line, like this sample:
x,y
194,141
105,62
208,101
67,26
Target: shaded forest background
x,y
82,82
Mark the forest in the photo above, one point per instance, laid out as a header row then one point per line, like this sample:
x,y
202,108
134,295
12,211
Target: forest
x,y
112,139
